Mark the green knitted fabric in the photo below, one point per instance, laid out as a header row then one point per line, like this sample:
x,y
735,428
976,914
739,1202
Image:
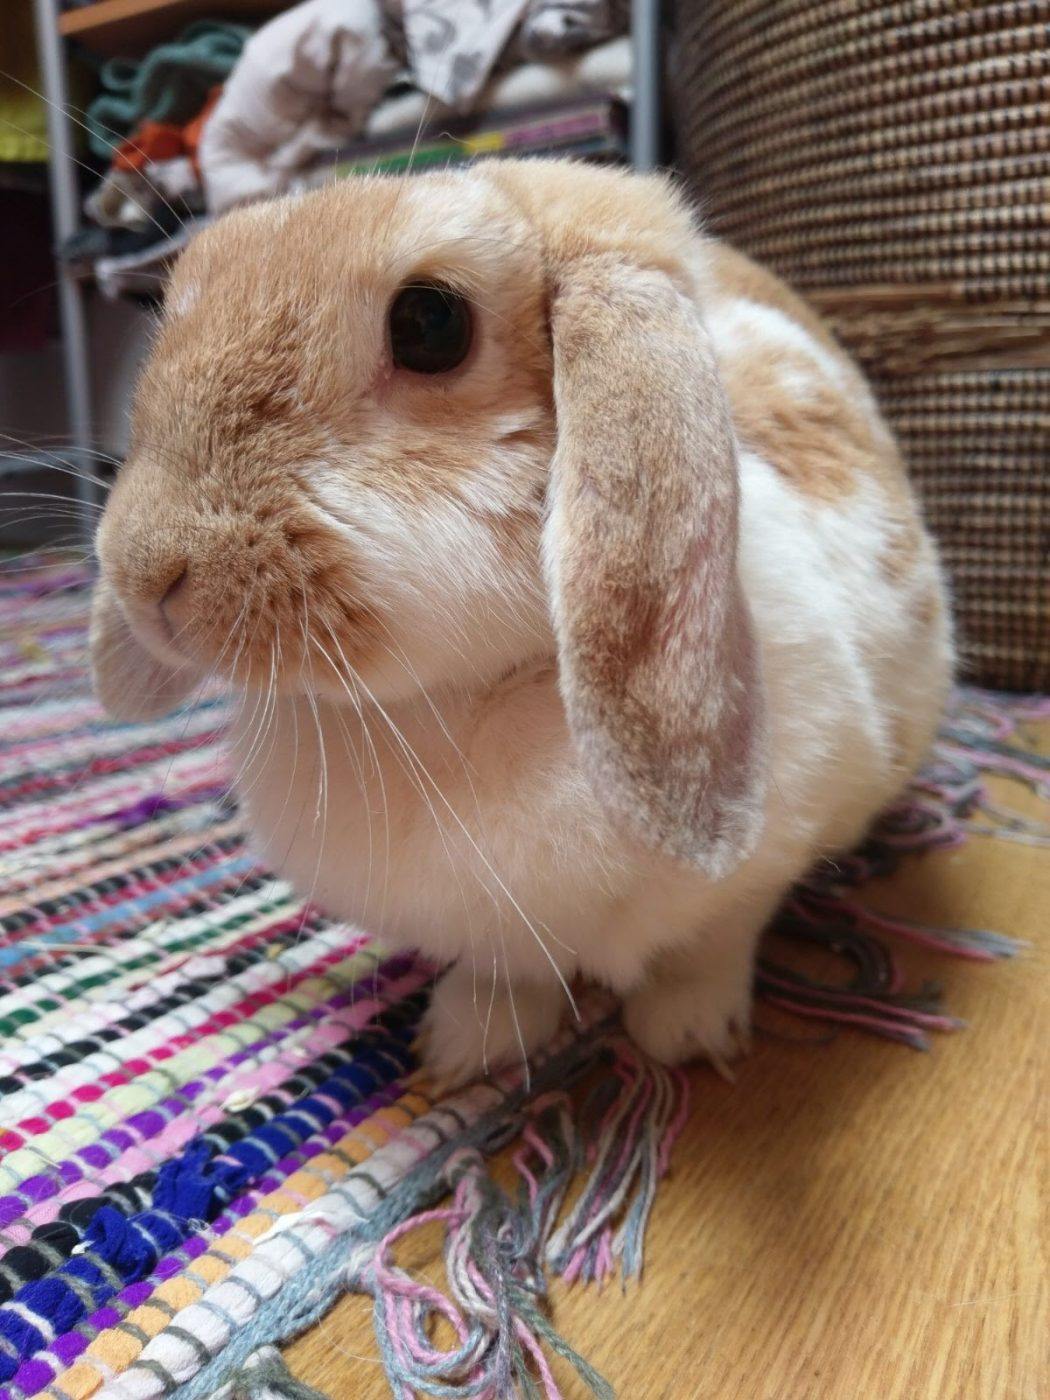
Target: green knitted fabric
x,y
171,84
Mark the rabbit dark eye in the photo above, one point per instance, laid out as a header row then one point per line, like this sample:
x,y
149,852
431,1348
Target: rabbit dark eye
x,y
430,329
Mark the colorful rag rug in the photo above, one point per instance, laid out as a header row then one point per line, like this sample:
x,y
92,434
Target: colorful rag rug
x,y
207,1129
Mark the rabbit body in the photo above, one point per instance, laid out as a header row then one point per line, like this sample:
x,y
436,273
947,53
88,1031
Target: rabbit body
x,y
503,860
511,786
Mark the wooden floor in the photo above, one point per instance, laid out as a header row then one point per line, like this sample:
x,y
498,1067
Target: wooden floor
x,y
849,1221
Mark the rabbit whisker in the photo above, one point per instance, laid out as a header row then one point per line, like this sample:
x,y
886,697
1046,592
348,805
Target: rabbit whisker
x,y
377,769
69,112
476,848
411,768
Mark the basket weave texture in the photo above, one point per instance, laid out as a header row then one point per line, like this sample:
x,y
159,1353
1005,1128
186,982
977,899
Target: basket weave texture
x,y
892,161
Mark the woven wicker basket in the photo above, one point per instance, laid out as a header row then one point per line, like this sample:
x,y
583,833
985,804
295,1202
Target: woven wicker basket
x,y
893,162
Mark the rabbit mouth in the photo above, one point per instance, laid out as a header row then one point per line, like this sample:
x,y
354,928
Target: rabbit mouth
x,y
153,630
253,598
276,643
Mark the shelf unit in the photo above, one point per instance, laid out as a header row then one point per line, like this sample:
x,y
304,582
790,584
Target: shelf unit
x,y
127,26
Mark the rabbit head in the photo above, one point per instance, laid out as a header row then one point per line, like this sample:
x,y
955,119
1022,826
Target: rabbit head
x,y
407,434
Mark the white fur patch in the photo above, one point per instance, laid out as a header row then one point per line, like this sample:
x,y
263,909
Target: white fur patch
x,y
742,329
738,325
183,300
387,533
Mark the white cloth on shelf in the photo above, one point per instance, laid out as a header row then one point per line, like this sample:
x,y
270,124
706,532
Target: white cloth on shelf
x,y
553,27
312,78
453,45
305,82
606,68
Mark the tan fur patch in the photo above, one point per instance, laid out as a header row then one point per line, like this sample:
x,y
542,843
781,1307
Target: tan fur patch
x,y
818,445
736,275
825,441
930,608
901,551
582,210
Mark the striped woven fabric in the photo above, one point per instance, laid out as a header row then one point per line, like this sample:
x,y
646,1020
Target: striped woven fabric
x,y
188,1050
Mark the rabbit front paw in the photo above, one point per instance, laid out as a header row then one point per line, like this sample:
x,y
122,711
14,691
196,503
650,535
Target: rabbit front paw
x,y
704,1014
467,1031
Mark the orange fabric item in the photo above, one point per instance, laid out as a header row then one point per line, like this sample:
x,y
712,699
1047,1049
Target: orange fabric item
x,y
150,142
154,141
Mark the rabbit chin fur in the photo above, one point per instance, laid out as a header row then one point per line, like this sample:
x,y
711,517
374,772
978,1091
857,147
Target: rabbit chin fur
x,y
634,668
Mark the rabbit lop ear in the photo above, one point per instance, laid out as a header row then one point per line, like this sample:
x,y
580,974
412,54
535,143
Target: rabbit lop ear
x,y
129,680
658,662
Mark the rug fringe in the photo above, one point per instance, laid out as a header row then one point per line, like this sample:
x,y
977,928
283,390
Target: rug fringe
x,y
937,812
264,1376
497,1243
637,1117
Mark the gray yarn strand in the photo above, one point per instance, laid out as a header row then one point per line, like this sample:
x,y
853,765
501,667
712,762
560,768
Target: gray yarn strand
x,y
264,1376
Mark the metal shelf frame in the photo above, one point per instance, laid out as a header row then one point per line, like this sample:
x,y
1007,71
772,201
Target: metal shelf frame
x,y
65,213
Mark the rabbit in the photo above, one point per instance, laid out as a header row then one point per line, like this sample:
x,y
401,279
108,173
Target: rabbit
x,y
571,588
